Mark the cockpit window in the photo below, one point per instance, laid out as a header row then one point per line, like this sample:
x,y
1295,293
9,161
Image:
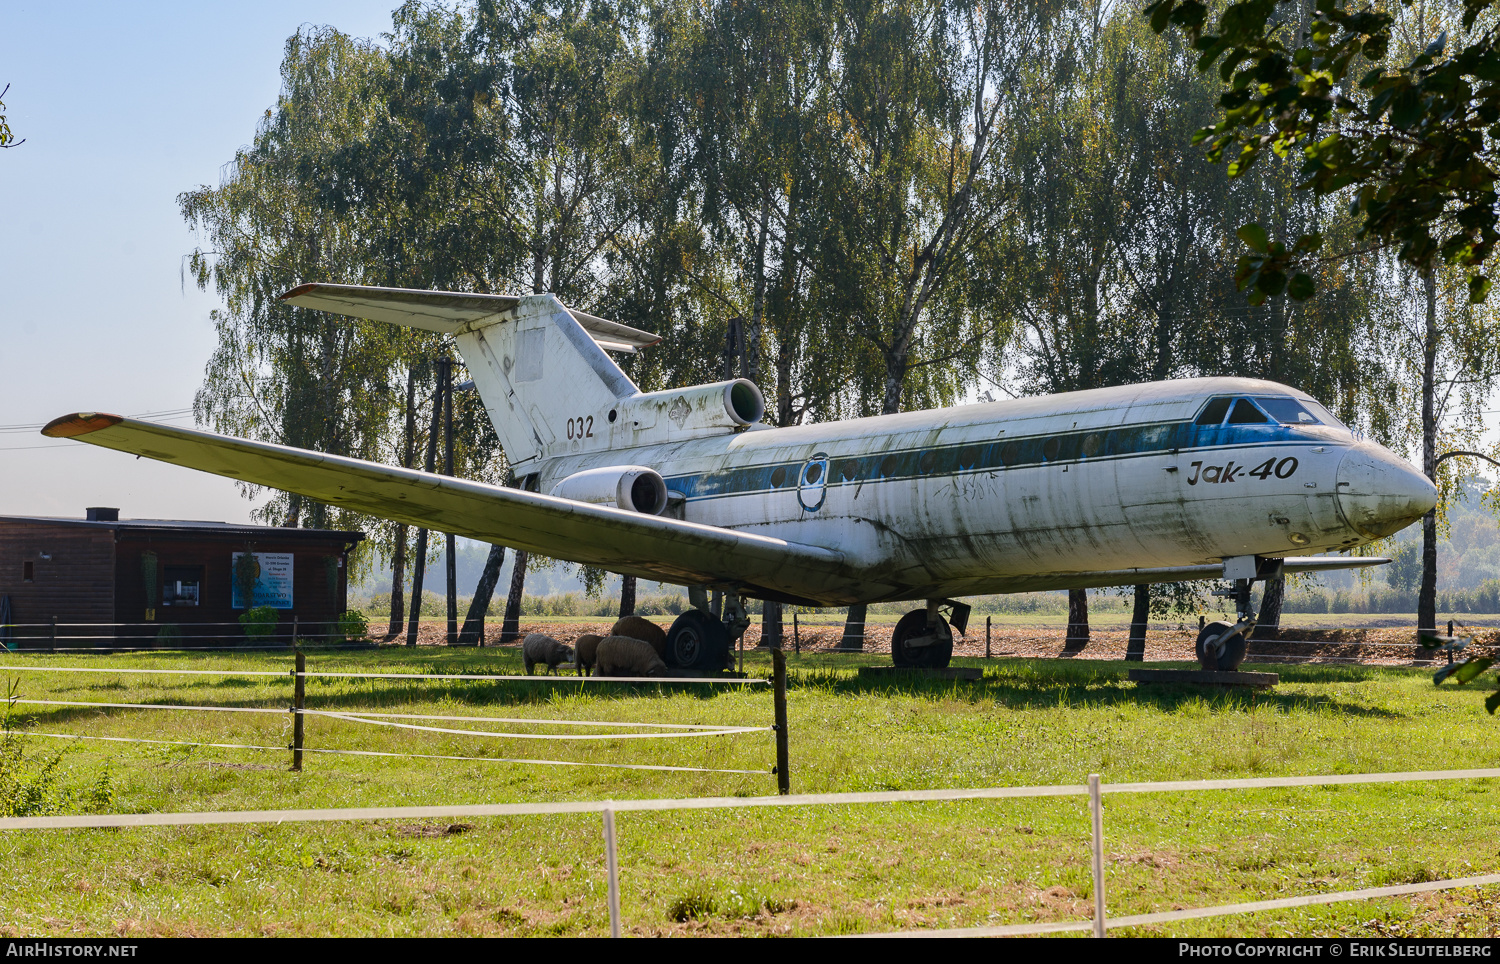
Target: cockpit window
x,y
1290,411
1213,414
1323,414
1245,413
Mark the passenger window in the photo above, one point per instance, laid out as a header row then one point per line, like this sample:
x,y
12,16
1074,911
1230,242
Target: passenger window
x,y
1245,413
1214,413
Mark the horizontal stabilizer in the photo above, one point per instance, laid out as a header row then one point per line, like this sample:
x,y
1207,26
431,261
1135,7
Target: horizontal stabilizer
x,y
446,312
651,547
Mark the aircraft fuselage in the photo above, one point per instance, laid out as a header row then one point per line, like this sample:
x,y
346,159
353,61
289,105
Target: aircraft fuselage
x,y
1044,492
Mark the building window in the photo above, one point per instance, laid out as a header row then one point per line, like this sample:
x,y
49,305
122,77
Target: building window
x,y
28,572
182,585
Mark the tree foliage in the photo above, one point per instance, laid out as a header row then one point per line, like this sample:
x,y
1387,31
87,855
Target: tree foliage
x,y
1409,139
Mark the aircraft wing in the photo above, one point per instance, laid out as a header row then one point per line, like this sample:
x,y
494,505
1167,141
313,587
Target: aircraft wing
x,y
651,547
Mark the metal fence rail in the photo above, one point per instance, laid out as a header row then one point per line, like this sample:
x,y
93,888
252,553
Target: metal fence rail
x,y
1094,789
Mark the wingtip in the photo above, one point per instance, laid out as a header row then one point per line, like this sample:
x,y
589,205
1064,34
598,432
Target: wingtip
x,y
301,289
80,423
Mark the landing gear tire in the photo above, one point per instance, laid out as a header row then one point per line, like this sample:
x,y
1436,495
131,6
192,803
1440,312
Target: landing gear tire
x,y
1232,650
697,641
936,655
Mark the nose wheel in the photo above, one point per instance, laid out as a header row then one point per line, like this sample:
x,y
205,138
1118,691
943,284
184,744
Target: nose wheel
x,y
1221,646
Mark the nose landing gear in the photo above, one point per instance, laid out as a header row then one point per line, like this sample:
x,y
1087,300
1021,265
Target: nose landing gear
x,y
1221,645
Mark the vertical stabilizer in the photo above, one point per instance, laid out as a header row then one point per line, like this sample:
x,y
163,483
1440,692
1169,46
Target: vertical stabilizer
x,y
548,387
547,384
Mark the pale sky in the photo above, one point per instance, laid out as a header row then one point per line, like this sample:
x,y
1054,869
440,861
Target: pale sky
x,y
123,107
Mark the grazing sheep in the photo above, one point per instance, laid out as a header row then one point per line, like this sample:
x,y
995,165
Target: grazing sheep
x,y
637,628
626,656
586,647
538,648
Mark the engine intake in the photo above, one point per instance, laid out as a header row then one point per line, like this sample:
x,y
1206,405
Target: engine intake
x,y
632,487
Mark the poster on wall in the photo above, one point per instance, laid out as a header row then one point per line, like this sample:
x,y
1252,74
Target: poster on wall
x,y
273,580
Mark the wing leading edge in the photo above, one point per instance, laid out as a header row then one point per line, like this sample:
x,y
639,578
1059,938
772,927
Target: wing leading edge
x,y
652,547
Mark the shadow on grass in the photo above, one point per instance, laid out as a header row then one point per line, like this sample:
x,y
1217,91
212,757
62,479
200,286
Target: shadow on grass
x,y
1051,683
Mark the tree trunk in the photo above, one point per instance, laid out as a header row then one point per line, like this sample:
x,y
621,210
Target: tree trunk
x,y
770,626
398,560
1427,595
398,584
1135,650
1078,622
510,628
1268,625
853,640
510,625
627,596
451,548
418,576
473,631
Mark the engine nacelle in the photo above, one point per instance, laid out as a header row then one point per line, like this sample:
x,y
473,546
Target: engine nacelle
x,y
683,413
633,487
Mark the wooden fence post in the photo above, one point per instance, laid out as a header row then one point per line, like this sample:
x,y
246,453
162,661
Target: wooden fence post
x,y
986,637
796,636
1096,811
299,701
778,685
612,867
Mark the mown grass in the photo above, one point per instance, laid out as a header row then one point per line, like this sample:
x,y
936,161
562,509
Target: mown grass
x,y
810,870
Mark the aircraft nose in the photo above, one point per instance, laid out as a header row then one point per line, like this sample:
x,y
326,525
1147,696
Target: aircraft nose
x,y
1381,494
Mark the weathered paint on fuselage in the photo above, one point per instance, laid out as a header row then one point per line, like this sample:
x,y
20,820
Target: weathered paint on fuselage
x,y
1029,493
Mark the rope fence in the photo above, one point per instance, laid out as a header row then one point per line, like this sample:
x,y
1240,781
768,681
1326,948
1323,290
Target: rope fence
x,y
299,712
403,756
562,677
1094,789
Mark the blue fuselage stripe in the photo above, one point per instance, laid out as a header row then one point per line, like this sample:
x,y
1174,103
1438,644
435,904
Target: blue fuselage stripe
x,y
1002,454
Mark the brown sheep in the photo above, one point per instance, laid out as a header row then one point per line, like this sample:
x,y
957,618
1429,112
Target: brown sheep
x,y
540,648
627,656
638,628
586,647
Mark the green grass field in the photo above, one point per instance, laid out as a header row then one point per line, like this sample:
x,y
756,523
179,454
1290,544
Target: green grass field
x,y
810,870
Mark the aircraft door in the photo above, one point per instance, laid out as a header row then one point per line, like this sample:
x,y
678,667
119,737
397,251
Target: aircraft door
x,y
812,483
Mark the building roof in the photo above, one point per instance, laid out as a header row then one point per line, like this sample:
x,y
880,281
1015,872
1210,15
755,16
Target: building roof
x,y
186,527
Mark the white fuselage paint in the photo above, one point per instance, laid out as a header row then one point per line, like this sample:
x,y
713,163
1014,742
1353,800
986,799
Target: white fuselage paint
x,y
933,505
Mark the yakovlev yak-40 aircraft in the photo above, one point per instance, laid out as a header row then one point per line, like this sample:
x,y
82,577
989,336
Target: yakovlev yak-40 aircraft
x,y
1206,478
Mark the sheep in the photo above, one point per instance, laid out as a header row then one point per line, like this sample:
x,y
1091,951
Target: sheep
x,y
637,628
538,648
586,649
627,656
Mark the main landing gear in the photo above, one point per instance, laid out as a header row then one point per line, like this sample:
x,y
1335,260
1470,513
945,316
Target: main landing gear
x,y
700,639
1221,645
923,639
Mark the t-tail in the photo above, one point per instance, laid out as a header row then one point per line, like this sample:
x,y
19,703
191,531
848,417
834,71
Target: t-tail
x,y
544,372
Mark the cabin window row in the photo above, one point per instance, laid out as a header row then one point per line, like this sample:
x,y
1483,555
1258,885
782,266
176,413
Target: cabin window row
x,y
1244,410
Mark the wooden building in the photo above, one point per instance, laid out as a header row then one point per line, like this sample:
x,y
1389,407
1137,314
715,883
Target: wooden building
x,y
104,579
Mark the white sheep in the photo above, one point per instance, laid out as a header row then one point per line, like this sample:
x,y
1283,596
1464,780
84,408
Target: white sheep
x,y
540,648
586,648
637,627
627,656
